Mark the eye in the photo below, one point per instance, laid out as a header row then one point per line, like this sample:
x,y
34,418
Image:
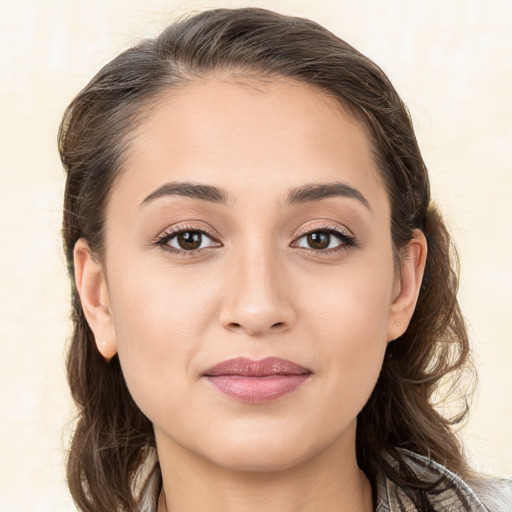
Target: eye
x,y
189,240
325,240
185,240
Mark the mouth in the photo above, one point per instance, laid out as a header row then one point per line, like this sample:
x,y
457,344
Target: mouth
x,y
257,382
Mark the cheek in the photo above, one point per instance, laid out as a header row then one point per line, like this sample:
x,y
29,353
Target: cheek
x,y
158,321
350,322
351,307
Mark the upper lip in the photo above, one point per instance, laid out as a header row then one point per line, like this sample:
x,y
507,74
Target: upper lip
x,y
250,368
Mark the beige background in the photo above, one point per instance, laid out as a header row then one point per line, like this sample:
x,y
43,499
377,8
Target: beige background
x,y
452,62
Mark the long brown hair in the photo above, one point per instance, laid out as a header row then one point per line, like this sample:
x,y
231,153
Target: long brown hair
x,y
113,441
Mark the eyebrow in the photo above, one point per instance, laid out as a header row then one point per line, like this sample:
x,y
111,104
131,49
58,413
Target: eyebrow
x,y
319,191
299,195
186,189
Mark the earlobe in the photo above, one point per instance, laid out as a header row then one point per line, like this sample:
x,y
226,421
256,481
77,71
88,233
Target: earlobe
x,y
94,297
408,285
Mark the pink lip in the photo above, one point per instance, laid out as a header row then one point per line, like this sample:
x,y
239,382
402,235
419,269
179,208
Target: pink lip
x,y
257,382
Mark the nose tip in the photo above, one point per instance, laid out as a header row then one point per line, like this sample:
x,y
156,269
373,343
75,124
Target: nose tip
x,y
257,303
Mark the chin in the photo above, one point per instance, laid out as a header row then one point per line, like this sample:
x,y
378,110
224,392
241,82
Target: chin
x,y
259,461
258,453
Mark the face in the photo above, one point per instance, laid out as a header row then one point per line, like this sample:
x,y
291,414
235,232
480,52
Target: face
x,y
249,223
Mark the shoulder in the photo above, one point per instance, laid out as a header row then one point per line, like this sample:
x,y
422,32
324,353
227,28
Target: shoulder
x,y
495,492
480,494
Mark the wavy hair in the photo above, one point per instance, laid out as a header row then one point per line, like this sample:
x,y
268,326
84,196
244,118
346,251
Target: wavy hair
x,y
113,442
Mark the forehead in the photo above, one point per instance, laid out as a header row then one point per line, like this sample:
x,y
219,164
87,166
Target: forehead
x,y
253,137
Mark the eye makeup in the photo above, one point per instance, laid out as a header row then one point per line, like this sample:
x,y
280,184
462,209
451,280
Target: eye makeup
x,y
188,235
188,240
320,235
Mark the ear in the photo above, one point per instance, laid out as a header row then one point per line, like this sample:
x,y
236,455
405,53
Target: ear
x,y
407,285
93,291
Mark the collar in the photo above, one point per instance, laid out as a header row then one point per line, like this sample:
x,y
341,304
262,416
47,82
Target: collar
x,y
453,494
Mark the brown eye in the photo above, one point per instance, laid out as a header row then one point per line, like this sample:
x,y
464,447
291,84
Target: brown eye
x,y
187,241
325,240
319,240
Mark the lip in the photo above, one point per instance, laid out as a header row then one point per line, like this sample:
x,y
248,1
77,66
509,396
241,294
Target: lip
x,y
257,382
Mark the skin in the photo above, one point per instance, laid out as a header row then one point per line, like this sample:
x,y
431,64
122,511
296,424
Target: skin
x,y
255,289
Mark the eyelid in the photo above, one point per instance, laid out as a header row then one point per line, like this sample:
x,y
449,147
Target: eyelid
x,y
325,227
161,239
186,226
347,239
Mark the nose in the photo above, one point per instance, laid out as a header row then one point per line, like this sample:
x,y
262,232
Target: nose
x,y
257,299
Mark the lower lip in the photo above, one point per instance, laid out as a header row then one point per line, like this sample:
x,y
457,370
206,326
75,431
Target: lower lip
x,y
257,390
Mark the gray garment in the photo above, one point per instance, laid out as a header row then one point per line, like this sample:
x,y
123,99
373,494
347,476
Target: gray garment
x,y
480,495
483,494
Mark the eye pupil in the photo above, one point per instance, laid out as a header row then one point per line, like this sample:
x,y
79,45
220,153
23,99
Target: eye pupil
x,y
189,240
319,240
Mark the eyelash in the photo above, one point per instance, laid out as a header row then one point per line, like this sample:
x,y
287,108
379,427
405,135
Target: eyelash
x,y
347,240
166,236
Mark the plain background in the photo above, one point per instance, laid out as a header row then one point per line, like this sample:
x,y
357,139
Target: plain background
x,y
451,60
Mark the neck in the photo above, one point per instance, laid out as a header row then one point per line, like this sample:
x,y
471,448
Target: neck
x,y
330,481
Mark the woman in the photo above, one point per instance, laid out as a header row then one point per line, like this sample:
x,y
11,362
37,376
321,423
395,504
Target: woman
x,y
264,296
